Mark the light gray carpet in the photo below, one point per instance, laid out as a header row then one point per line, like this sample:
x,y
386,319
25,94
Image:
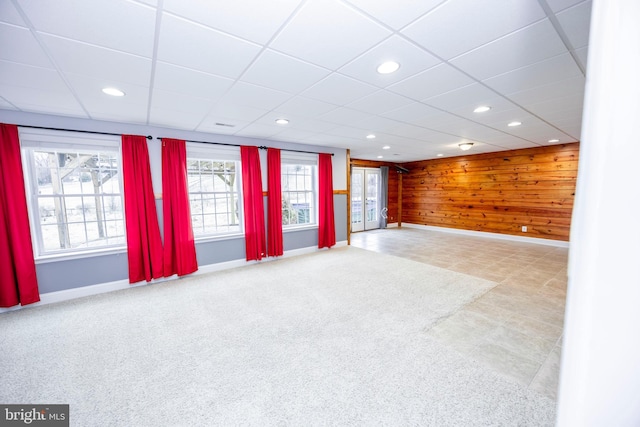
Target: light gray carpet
x,y
332,338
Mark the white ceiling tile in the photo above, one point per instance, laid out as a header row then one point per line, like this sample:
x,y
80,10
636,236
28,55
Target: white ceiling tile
x,y
434,81
179,119
575,22
339,90
171,78
582,54
343,116
98,62
311,125
327,140
119,24
212,123
234,113
18,45
294,135
172,101
258,130
412,60
397,13
501,119
458,26
524,47
42,100
21,75
379,102
546,108
571,86
412,112
102,106
356,134
345,34
376,124
277,71
9,14
449,123
153,3
5,105
410,131
297,122
255,20
305,107
468,98
558,5
254,96
193,46
542,73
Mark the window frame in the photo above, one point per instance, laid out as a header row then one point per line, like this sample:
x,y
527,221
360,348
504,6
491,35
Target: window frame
x,y
218,153
33,140
303,159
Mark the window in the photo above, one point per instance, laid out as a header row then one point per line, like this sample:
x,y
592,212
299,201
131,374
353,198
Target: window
x,y
214,196
74,190
299,189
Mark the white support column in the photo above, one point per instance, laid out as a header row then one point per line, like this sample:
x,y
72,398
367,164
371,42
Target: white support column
x,y
600,373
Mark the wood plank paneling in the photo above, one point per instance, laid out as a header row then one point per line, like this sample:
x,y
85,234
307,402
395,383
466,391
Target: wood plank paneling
x,y
495,192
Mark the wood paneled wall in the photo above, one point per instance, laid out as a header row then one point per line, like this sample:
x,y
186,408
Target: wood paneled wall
x,y
392,209
495,192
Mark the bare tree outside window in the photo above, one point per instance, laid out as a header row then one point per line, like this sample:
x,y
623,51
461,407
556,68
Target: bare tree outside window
x,y
78,197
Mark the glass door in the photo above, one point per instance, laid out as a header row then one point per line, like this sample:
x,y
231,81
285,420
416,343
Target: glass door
x,y
357,193
365,199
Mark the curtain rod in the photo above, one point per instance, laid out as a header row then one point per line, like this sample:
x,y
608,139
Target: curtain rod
x,y
76,130
262,147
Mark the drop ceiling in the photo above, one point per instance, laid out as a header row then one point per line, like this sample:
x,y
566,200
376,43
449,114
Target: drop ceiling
x,y
234,67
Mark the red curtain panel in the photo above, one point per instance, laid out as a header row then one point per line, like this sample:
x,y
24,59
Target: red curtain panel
x,y
326,226
144,245
274,204
18,281
254,229
179,243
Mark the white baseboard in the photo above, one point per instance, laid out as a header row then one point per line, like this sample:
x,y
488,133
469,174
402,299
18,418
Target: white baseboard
x,y
69,294
535,240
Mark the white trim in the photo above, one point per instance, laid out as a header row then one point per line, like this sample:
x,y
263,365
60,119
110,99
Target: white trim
x,y
393,225
535,240
83,291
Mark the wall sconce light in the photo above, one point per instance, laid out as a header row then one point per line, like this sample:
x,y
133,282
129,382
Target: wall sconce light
x,y
465,146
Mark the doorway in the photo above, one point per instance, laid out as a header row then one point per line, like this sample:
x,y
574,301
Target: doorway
x,y
365,199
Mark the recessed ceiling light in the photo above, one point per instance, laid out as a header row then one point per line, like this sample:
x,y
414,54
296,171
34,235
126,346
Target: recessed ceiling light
x,y
282,121
465,146
113,91
386,147
440,155
554,140
514,124
371,136
380,157
482,109
388,67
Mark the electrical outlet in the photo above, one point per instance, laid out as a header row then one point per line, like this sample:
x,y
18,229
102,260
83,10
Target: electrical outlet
x,y
524,228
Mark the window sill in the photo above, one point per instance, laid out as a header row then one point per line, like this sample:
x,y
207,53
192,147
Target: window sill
x,y
220,237
300,228
67,256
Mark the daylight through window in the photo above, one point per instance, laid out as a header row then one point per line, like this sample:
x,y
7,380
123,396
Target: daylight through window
x,y
298,194
77,199
214,196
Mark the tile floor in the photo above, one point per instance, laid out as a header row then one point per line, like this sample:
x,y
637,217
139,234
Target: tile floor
x,y
516,327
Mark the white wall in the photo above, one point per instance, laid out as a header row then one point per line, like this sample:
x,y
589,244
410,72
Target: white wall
x,y
600,373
